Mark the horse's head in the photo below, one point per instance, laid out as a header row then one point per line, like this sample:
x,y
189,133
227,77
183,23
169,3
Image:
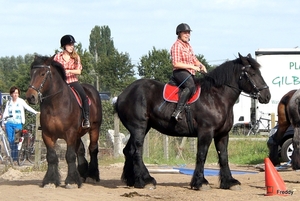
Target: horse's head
x,y
41,78
251,80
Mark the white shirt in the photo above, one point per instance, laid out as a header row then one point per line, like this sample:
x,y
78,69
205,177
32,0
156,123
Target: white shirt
x,y
16,109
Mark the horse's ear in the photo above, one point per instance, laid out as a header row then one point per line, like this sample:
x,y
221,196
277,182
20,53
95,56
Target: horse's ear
x,y
249,55
49,60
243,59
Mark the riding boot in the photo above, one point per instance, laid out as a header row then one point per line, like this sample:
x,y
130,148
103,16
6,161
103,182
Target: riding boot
x,y
185,94
86,114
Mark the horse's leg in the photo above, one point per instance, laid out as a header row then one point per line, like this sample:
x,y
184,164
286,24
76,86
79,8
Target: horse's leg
x,y
52,175
73,176
296,153
135,172
283,124
226,179
81,160
93,171
198,181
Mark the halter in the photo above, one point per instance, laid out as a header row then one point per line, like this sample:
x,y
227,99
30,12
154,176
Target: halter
x,y
255,94
38,90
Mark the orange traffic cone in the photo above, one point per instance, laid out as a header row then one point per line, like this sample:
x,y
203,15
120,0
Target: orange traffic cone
x,y
274,183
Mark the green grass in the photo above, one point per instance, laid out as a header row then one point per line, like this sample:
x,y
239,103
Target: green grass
x,y
243,151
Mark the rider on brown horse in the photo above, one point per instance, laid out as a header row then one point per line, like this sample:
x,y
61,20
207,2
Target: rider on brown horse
x,y
72,65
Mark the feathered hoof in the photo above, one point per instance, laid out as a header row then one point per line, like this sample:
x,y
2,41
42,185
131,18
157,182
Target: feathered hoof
x,y
71,186
236,188
49,186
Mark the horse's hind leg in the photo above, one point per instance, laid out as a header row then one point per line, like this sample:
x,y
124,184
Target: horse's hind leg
x,y
52,175
226,179
135,172
93,171
82,162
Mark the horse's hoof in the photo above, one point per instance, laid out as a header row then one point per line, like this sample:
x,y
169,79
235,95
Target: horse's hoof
x,y
205,187
236,188
71,186
90,180
49,186
150,186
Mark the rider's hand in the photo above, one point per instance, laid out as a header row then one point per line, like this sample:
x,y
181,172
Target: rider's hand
x,y
202,68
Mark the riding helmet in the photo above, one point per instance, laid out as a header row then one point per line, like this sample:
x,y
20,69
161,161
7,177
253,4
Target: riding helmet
x,y
67,39
182,27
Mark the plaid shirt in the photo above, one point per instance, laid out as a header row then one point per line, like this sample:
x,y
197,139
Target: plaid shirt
x,y
70,65
183,52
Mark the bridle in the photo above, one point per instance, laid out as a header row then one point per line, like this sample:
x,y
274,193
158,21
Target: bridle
x,y
38,90
257,89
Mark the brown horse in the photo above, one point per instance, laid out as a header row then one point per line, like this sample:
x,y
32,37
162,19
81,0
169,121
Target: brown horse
x,y
61,117
288,114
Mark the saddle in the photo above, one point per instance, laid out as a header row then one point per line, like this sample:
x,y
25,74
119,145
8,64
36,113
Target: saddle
x,y
171,93
78,98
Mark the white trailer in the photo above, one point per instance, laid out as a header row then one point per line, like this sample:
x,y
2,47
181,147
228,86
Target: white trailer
x,y
280,69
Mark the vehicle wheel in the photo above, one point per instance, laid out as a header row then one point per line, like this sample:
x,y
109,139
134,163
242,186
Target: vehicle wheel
x,y
31,156
287,150
21,155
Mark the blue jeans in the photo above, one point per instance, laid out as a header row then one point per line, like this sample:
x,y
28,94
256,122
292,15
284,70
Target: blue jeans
x,y
10,131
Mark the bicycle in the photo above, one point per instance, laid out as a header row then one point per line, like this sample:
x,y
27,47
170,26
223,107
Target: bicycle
x,y
255,128
5,157
27,147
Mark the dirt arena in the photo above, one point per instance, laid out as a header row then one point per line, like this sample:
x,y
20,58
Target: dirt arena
x,y
19,184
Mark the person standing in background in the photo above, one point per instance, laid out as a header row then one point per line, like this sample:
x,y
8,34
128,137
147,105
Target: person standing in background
x,y
15,112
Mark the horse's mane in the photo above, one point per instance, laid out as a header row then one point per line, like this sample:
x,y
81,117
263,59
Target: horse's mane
x,y
45,60
224,73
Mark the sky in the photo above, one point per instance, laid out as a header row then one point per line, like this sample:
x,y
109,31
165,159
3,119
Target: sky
x,y
220,28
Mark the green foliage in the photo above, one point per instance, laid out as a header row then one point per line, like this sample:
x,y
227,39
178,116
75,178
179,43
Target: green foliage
x,y
156,65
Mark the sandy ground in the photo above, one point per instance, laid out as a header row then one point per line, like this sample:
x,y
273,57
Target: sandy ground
x,y
20,184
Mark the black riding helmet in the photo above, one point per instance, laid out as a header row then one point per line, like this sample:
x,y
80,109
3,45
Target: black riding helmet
x,y
67,39
182,27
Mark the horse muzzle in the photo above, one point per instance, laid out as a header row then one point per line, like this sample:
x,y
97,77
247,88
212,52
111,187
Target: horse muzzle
x,y
32,96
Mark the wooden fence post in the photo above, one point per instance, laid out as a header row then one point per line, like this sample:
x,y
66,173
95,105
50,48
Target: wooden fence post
x,y
117,141
272,120
38,141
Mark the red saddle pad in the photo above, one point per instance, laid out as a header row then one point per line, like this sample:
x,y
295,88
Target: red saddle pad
x,y
170,94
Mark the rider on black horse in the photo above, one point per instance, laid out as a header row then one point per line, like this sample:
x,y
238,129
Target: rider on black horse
x,y
185,65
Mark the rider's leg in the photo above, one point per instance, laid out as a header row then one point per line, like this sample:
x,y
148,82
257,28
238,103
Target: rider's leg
x,y
185,94
186,80
85,104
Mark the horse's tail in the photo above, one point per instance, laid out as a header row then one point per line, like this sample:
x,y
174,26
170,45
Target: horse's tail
x,y
115,103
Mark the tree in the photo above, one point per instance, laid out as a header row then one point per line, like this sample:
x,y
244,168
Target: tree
x,y
156,65
113,69
101,43
116,72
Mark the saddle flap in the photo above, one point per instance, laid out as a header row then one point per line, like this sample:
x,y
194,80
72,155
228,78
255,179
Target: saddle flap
x,y
171,92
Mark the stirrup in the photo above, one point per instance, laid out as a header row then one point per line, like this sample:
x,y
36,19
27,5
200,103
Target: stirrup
x,y
176,115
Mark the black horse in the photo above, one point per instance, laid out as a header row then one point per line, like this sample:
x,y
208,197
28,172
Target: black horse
x,y
288,114
141,106
61,117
